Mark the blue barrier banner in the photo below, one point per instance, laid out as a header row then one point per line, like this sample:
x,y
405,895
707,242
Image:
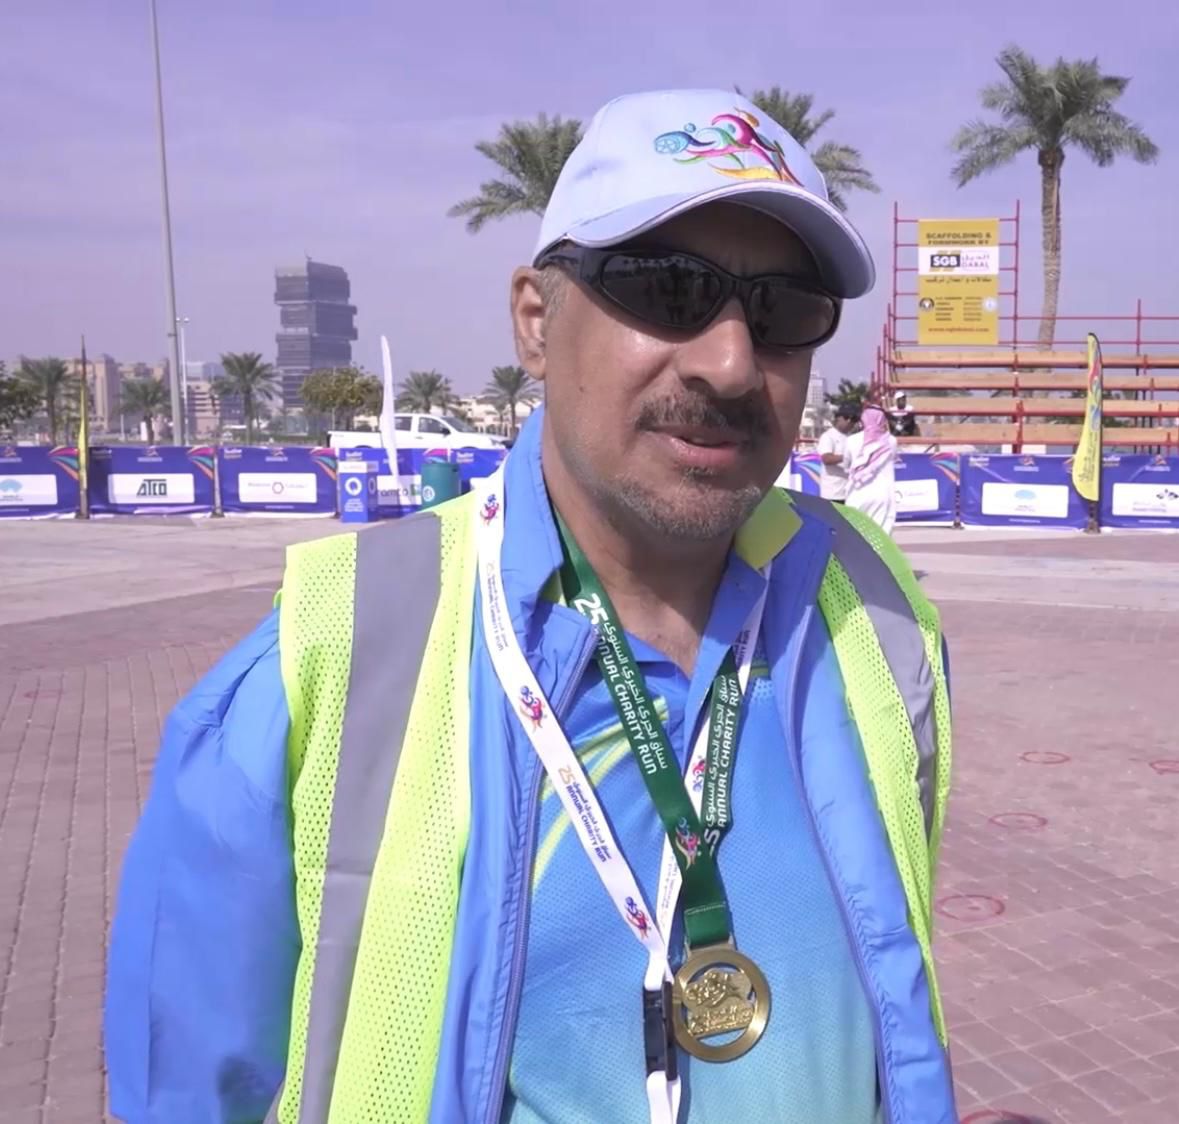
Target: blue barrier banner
x,y
1020,491
1140,491
151,480
473,465
927,487
277,479
802,473
38,482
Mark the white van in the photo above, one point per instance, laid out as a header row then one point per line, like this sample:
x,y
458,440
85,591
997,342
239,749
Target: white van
x,y
423,431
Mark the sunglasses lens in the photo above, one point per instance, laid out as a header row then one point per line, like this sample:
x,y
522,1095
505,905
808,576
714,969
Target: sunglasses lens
x,y
782,315
665,289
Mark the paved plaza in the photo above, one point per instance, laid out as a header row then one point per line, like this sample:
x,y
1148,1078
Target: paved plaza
x,y
1058,897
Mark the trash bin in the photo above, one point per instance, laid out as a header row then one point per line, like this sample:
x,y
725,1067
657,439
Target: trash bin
x,y
440,482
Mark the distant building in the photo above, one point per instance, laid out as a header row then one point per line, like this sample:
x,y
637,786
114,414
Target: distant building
x,y
316,323
206,412
814,408
105,384
487,417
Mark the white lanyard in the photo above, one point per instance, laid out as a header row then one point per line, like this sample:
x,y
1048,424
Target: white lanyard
x,y
569,779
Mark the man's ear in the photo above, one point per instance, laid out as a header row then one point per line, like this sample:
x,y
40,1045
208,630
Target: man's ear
x,y
528,321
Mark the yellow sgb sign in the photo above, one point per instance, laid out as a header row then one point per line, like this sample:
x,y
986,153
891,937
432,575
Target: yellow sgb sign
x,y
957,282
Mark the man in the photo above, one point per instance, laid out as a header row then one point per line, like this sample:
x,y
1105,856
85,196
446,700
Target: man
x,y
902,420
832,446
549,805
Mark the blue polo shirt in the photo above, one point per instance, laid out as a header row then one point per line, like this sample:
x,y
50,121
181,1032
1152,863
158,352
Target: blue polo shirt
x,y
578,1052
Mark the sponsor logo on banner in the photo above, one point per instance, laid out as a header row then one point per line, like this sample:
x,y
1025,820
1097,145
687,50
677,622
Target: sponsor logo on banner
x,y
914,496
408,495
1159,500
275,487
29,491
140,488
1039,501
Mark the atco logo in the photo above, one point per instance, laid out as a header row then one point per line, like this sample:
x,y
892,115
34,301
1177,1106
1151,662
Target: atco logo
x,y
152,486
531,707
638,918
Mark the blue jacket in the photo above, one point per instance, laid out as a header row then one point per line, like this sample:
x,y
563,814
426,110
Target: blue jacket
x,y
205,938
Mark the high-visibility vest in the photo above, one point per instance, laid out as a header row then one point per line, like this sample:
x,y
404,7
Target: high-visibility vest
x,y
379,760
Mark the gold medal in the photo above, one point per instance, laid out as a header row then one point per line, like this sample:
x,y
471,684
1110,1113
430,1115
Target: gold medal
x,y
719,990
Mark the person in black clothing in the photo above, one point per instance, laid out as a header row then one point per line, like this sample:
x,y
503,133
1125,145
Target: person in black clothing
x,y
901,420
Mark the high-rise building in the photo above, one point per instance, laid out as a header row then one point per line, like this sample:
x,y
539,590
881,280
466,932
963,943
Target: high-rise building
x,y
316,323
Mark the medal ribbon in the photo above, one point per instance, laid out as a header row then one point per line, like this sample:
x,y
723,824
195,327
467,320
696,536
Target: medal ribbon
x,y
572,786
693,832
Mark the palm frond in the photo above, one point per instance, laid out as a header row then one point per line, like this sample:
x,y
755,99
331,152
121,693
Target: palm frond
x,y
985,147
531,154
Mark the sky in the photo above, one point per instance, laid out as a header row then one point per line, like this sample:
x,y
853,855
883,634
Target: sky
x,y
345,130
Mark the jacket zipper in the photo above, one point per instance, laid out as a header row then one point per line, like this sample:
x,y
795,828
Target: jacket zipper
x,y
520,942
793,752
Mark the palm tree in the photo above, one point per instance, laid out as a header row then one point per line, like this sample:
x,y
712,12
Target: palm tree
x,y
1048,109
147,399
841,164
251,381
531,154
53,382
509,386
423,390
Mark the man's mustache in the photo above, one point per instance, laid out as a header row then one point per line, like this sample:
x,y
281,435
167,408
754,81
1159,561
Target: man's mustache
x,y
745,416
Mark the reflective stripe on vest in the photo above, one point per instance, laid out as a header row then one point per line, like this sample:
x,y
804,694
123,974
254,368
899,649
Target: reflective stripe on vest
x,y
412,582
900,638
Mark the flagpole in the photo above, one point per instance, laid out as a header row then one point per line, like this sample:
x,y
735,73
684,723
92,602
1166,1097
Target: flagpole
x,y
169,272
84,443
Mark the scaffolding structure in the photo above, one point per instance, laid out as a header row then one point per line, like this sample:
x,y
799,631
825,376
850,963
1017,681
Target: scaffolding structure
x,y
1021,393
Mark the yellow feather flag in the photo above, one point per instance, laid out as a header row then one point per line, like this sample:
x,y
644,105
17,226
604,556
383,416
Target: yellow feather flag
x,y
1087,462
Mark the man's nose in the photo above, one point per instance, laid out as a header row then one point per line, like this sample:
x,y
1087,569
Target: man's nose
x,y
722,357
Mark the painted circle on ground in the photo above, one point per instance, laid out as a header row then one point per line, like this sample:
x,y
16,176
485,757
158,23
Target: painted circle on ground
x,y
1044,757
1165,766
995,1116
970,907
1018,821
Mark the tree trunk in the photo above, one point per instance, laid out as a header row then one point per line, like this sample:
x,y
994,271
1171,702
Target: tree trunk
x,y
512,407
51,416
151,432
248,409
1051,161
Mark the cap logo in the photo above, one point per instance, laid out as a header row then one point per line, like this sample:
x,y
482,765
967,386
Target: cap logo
x,y
732,146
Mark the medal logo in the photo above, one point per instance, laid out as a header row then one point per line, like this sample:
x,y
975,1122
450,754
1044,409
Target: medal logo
x,y
698,772
638,918
531,707
490,508
687,842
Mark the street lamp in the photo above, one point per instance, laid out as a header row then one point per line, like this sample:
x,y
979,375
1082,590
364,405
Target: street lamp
x,y
169,275
180,322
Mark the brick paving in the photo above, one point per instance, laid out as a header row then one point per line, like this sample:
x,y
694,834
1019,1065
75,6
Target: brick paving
x,y
1058,896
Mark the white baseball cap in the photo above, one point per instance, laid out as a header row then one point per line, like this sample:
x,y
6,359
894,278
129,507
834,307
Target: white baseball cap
x,y
646,158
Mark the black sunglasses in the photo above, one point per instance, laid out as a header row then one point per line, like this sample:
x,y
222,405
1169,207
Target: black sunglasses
x,y
683,292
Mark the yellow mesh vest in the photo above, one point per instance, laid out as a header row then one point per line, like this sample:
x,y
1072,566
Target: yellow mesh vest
x,y
390,1042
